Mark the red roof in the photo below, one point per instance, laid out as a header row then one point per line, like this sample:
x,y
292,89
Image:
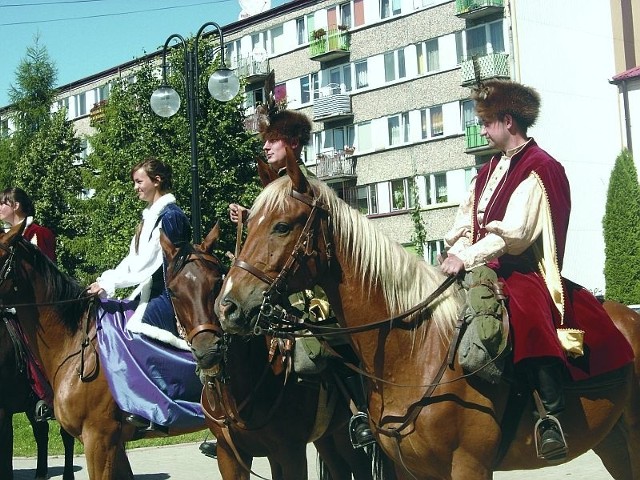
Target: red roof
x,y
631,73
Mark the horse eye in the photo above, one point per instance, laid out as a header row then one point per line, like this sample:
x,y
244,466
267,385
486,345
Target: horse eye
x,y
281,228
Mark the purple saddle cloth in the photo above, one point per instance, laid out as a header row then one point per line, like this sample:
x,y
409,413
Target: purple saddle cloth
x,y
147,377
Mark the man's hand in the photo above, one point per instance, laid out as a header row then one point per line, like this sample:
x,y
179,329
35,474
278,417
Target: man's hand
x,y
237,212
96,289
452,265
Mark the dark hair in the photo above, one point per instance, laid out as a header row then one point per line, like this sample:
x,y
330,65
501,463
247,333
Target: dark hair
x,y
13,195
287,125
155,168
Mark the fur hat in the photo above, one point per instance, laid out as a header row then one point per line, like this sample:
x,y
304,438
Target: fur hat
x,y
495,98
287,125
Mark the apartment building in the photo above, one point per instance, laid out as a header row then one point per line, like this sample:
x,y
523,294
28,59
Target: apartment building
x,y
386,83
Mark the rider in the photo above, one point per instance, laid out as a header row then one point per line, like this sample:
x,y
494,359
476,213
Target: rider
x,y
293,129
515,221
17,207
154,316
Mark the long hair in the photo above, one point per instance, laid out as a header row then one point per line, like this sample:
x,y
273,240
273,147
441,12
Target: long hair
x,y
13,195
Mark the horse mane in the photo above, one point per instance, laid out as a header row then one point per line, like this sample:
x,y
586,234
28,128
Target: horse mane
x,y
59,286
404,278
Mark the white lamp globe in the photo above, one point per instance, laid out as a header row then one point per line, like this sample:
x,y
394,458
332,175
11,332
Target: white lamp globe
x,y
223,85
165,101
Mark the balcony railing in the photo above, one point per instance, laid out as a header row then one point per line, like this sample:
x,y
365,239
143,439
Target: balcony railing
x,y
332,106
473,138
329,45
492,65
335,165
252,69
471,9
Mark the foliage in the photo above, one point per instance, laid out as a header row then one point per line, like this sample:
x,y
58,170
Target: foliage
x,y
621,224
130,132
419,235
8,160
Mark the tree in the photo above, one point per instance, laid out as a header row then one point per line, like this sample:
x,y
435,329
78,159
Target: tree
x,y
130,132
621,225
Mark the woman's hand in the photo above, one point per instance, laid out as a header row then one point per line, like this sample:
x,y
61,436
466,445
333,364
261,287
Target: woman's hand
x,y
96,289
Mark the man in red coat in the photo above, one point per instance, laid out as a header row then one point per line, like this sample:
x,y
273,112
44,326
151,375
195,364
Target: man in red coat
x,y
515,221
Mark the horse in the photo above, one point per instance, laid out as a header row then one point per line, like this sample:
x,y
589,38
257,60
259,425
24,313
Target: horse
x,y
58,320
434,421
16,396
251,405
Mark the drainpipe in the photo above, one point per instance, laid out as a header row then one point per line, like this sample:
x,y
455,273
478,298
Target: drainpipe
x,y
627,115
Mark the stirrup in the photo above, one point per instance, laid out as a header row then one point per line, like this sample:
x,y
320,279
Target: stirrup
x,y
360,418
43,412
558,454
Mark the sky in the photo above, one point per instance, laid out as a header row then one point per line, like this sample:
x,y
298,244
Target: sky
x,y
84,37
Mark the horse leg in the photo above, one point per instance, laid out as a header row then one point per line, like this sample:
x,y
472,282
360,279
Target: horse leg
x,y
67,441
41,435
106,457
613,452
295,465
334,462
6,445
229,466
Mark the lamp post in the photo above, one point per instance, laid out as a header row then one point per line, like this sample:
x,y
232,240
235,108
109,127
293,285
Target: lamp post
x,y
165,101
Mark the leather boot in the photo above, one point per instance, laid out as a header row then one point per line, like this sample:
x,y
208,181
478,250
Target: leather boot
x,y
359,429
547,380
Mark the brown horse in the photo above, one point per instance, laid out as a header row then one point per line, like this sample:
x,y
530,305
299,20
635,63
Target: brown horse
x,y
59,323
17,396
434,422
251,405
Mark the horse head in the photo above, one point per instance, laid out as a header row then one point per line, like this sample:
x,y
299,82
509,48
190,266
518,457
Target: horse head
x,y
285,250
193,278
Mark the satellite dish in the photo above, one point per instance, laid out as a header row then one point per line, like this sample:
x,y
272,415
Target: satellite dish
x,y
259,54
251,7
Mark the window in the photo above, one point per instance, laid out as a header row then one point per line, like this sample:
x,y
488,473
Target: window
x,y
84,152
277,40
367,199
398,128
345,14
484,39
81,104
364,139
63,103
428,56
4,127
440,181
258,40
280,92
434,248
301,31
358,13
468,114
394,66
337,138
437,124
362,80
102,92
253,98
402,193
340,78
388,8
305,90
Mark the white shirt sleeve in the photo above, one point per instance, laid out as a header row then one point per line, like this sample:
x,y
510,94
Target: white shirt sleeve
x,y
517,231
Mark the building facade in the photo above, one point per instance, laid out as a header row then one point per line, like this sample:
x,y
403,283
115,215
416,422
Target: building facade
x,y
387,84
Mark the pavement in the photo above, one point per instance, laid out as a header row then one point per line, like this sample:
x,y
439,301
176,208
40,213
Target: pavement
x,y
185,462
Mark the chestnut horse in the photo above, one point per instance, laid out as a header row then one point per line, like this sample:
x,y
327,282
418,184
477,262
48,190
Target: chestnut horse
x,y
251,405
17,396
59,323
433,421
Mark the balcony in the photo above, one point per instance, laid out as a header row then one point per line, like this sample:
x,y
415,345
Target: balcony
x,y
329,45
472,9
333,105
492,65
474,142
336,165
96,114
253,68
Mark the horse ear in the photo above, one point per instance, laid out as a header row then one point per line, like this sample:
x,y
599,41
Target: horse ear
x,y
211,239
167,245
15,233
266,173
298,179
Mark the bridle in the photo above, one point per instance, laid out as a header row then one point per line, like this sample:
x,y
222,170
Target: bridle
x,y
303,251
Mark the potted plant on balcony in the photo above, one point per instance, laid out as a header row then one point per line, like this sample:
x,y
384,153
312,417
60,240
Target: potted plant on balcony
x,y
318,33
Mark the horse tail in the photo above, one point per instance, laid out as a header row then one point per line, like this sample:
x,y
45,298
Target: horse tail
x,y
382,466
323,471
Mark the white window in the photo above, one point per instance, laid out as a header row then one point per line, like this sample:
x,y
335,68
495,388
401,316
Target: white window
x,y
398,128
434,248
253,98
305,89
338,138
364,140
301,31
367,199
84,152
346,18
362,77
389,8
340,78
277,44
101,92
437,121
440,191
394,65
4,127
81,104
259,40
484,39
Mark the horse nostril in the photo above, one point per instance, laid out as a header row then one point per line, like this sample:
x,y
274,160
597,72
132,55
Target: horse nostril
x,y
227,308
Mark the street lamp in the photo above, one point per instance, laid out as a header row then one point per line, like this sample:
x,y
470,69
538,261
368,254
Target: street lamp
x,y
165,101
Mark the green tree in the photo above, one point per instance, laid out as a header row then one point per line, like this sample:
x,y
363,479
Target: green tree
x,y
130,132
621,225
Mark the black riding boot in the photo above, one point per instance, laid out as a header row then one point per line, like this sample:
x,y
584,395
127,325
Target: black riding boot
x,y
547,380
359,429
209,448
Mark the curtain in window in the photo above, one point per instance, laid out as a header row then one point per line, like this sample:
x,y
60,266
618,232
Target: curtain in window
x,y
305,91
422,61
476,42
393,124
389,67
497,37
441,188
361,75
402,71
433,57
437,124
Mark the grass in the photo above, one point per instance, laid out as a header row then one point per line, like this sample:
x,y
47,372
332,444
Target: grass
x,y
25,446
